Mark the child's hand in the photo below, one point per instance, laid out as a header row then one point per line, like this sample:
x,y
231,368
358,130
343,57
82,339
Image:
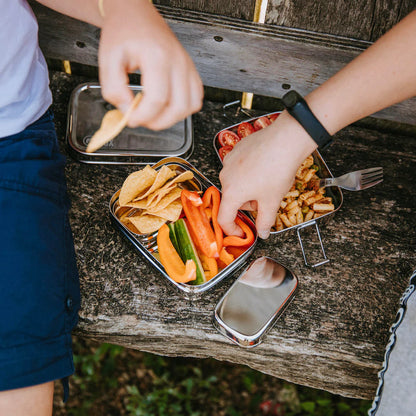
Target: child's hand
x,y
260,170
135,37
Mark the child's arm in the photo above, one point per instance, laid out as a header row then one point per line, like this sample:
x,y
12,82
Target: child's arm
x,y
135,37
261,168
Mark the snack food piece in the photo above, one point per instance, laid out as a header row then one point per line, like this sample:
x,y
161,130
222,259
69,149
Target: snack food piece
x,y
198,237
112,124
149,198
136,183
227,139
162,176
146,224
304,201
178,270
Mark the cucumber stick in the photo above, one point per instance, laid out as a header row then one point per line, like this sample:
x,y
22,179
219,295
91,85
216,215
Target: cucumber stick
x,y
172,236
187,250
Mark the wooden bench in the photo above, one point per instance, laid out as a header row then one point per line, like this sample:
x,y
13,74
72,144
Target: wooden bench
x,y
333,335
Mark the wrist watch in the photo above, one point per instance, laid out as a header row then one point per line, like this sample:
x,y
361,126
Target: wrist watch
x,y
299,110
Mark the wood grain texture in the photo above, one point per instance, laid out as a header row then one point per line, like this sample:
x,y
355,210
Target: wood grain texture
x,y
359,19
240,9
230,53
333,334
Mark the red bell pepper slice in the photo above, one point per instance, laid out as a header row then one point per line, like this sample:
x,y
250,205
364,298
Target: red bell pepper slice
x,y
199,224
226,257
233,240
237,251
211,199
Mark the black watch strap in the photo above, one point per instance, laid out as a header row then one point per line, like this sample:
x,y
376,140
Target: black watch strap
x,y
299,109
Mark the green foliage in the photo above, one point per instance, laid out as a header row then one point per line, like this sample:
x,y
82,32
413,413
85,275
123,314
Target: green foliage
x,y
171,395
111,380
321,403
94,371
99,365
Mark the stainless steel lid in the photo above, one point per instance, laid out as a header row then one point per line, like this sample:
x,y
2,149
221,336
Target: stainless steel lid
x,y
132,146
253,303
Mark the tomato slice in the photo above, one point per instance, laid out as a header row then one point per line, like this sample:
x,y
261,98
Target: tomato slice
x,y
224,150
261,123
273,117
245,129
228,138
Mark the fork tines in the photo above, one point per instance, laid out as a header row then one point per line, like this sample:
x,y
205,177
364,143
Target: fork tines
x,y
371,176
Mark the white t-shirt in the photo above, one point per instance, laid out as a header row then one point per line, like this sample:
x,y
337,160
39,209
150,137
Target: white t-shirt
x,y
24,81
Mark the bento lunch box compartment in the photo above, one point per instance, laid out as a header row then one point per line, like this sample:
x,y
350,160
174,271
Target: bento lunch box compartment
x,y
334,192
146,244
251,306
133,145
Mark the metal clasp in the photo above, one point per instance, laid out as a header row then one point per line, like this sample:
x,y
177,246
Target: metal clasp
x,y
238,111
326,260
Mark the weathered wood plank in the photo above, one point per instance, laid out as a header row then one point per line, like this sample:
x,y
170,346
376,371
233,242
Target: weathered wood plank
x,y
241,9
359,19
340,17
229,53
333,334
387,13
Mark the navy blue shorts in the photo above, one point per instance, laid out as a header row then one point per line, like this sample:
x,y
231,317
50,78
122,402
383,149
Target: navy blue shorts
x,y
39,286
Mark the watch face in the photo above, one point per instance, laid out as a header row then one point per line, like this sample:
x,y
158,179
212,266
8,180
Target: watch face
x,y
291,98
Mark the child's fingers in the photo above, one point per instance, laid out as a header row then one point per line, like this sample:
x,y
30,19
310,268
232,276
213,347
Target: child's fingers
x,y
227,213
249,206
266,218
157,92
114,81
184,100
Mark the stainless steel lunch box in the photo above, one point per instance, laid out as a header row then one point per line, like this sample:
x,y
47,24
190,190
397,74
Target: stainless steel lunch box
x,y
334,192
251,306
132,146
146,244
171,148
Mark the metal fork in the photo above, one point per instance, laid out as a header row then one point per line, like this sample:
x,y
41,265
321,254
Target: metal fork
x,y
355,181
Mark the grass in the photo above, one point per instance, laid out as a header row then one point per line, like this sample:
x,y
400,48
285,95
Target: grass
x,y
112,380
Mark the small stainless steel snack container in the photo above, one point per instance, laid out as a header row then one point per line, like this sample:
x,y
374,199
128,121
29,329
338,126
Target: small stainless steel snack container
x,y
334,192
131,146
251,306
146,244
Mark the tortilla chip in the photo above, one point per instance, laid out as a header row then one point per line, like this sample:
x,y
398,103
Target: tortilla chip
x,y
162,176
161,203
184,176
124,217
131,227
170,213
153,199
136,183
140,204
147,223
119,211
124,220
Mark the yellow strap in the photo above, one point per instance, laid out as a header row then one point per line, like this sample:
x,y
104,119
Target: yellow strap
x,y
260,9
101,8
